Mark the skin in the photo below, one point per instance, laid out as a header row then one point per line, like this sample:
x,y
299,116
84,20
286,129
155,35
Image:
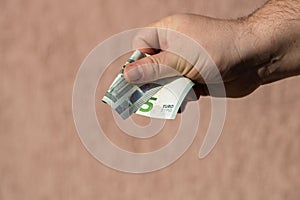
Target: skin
x,y
248,52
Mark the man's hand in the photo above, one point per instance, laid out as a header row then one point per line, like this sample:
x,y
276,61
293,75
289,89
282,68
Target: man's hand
x,y
248,52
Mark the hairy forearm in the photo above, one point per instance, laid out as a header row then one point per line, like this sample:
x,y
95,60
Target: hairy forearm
x,y
271,40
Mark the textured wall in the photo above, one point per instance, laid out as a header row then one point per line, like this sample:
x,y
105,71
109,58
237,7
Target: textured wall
x,y
42,44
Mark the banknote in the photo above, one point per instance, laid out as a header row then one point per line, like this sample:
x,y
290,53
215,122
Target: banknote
x,y
159,99
165,103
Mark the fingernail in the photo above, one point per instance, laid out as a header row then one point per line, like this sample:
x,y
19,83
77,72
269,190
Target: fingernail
x,y
134,74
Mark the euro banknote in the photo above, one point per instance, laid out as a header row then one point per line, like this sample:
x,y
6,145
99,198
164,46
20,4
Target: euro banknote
x,y
159,99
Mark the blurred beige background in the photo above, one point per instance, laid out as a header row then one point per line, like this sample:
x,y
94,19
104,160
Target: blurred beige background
x,y
42,44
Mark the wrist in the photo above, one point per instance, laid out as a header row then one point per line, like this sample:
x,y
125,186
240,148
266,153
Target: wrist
x,y
265,46
269,42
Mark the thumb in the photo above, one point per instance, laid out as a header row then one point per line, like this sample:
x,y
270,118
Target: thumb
x,y
158,66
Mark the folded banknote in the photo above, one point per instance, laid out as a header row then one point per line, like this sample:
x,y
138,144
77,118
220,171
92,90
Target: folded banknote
x,y
158,99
